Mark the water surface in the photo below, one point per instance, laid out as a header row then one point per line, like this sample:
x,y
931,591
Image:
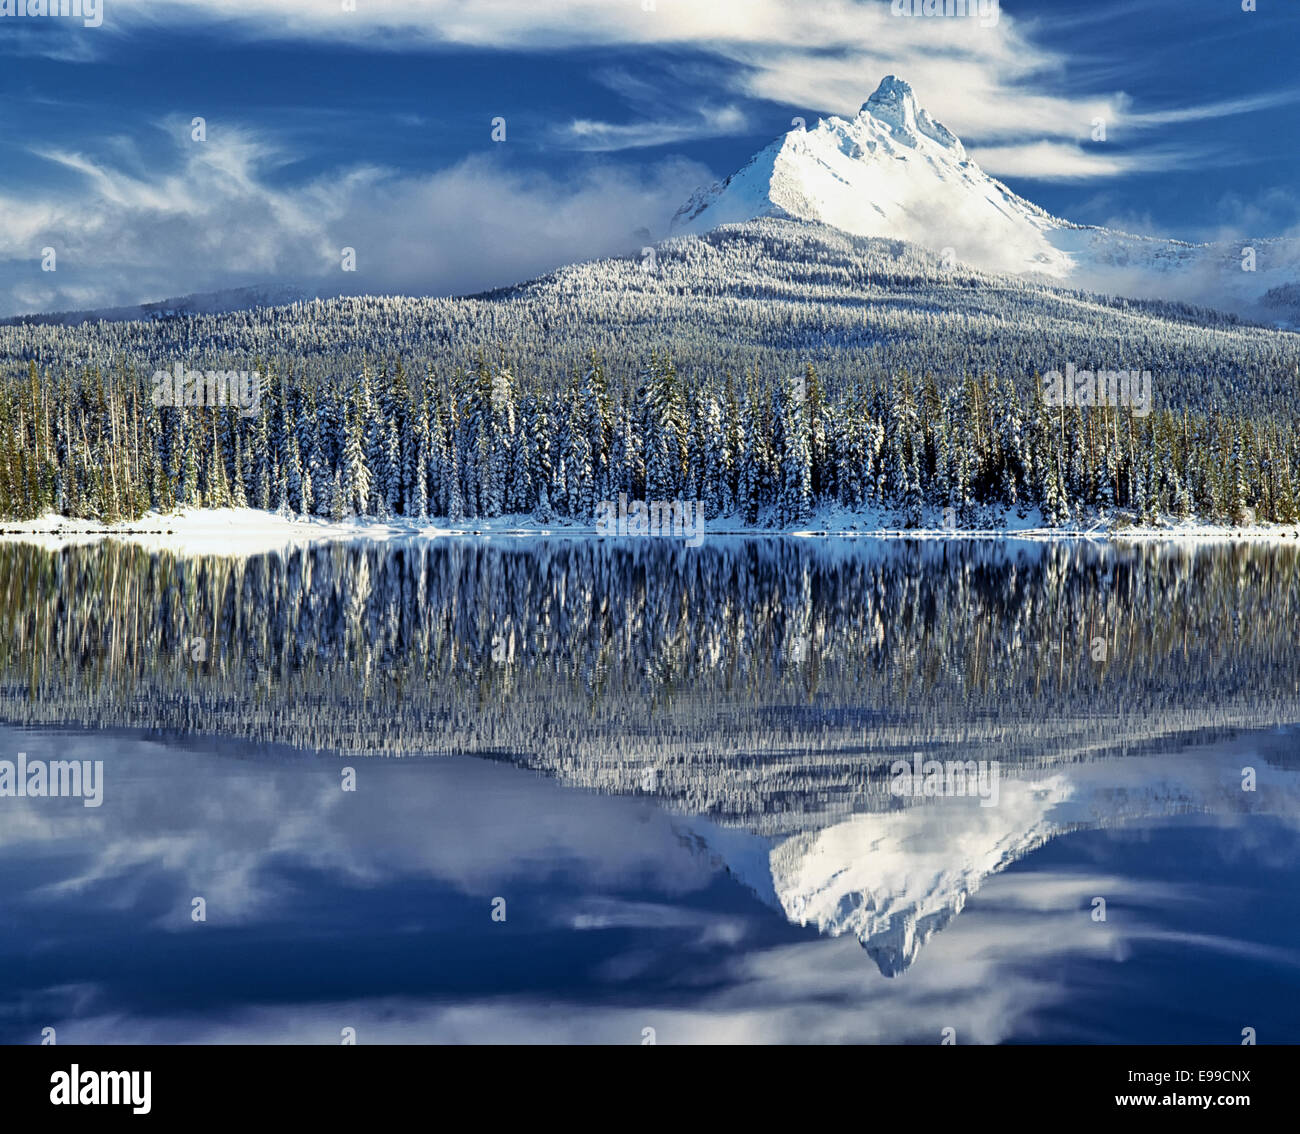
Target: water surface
x,y
668,772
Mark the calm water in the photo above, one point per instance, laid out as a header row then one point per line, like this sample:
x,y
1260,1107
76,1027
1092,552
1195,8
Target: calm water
x,y
605,788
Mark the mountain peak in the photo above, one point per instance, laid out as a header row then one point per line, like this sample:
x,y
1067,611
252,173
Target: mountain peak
x,y
893,102
891,172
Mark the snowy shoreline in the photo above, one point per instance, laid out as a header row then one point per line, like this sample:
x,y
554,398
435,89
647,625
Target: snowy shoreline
x,y
248,531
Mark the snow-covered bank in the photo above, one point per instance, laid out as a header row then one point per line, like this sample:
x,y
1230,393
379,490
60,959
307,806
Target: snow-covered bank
x,y
249,531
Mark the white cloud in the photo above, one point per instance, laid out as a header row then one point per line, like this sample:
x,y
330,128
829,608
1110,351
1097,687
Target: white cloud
x,y
1063,161
710,122
986,83
217,218
504,24
1223,109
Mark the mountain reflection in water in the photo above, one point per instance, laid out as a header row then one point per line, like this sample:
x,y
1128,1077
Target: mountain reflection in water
x,y
746,699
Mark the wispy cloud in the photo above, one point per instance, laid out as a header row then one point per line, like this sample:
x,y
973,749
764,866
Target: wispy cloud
x,y
992,84
217,217
227,214
1064,161
1204,112
709,122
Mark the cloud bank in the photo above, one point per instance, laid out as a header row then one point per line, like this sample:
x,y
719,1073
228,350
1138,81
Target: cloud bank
x,y
218,218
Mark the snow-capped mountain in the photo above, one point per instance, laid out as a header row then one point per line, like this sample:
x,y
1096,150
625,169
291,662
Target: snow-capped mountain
x,y
894,172
890,172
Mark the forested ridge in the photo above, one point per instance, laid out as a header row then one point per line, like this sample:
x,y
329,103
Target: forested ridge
x,y
769,370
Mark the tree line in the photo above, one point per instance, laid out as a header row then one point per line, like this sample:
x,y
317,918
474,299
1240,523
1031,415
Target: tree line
x,y
396,439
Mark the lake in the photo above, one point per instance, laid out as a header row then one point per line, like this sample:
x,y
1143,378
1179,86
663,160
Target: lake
x,y
631,791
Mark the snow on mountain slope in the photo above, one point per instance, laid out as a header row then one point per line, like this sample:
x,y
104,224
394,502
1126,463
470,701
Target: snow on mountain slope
x,y
891,172
894,172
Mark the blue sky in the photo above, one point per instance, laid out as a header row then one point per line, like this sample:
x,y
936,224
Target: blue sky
x,y
373,128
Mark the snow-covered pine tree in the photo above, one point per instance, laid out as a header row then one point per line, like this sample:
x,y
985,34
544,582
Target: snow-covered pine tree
x,y
855,462
663,434
417,502
337,496
416,450
732,444
752,458
238,496
821,472
438,468
520,495
714,489
356,481
504,428
794,458
540,472
595,411
579,476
